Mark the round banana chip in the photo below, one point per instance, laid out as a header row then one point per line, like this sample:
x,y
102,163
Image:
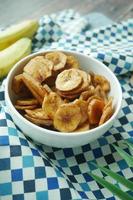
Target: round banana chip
x,y
67,117
37,113
51,103
84,84
42,122
84,127
58,58
83,105
27,102
107,113
102,81
71,62
95,110
30,107
68,80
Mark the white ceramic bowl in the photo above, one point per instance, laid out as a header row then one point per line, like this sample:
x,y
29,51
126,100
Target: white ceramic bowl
x,y
59,139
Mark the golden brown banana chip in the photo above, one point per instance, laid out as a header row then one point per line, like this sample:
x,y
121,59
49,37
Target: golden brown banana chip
x,y
51,103
37,113
68,80
47,88
17,83
67,96
30,107
88,93
107,113
71,62
84,127
67,117
101,93
83,105
82,87
42,122
58,58
95,110
93,97
35,87
26,102
39,68
102,81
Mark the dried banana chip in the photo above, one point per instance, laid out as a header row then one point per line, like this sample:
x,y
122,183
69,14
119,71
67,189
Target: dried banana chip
x,y
51,103
35,87
83,105
58,58
67,96
82,87
68,80
26,102
101,93
17,83
107,113
30,107
88,93
42,122
67,117
37,113
102,81
84,127
47,88
95,110
71,62
39,68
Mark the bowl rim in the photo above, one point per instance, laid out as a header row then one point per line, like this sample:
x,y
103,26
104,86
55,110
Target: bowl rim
x,y
63,134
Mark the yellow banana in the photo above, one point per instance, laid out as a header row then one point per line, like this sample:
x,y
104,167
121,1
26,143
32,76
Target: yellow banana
x,y
12,54
15,32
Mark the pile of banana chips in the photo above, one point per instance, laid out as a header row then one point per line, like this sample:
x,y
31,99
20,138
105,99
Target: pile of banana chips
x,y
55,93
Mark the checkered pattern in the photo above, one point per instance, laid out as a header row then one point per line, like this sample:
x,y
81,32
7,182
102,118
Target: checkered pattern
x,y
32,171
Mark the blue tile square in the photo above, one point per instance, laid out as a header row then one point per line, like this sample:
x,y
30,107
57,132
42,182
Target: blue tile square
x,y
12,131
29,186
5,189
126,110
85,186
65,194
127,65
4,164
24,142
2,96
15,150
4,140
97,152
42,195
18,197
98,194
28,161
68,152
87,177
101,56
3,122
63,163
52,183
83,195
75,170
35,152
102,141
122,164
118,70
17,175
40,172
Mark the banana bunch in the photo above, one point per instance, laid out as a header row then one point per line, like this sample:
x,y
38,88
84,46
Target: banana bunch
x,y
15,43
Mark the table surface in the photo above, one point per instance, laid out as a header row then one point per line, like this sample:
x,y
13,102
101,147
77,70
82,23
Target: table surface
x,y
18,10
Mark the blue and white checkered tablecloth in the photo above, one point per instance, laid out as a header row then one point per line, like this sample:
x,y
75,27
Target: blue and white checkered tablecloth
x,y
38,172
